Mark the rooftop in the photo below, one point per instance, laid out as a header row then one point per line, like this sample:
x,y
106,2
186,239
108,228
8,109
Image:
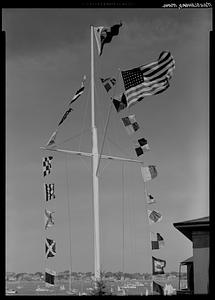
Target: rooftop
x,y
187,227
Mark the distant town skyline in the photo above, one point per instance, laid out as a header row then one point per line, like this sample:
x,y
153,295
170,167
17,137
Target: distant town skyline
x,y
47,54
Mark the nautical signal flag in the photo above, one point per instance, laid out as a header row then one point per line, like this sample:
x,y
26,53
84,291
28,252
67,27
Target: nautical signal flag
x,y
150,199
157,240
47,165
130,124
50,276
79,92
141,146
51,141
49,191
158,266
104,35
108,83
49,221
149,173
149,79
120,102
157,288
65,116
154,216
50,248
75,97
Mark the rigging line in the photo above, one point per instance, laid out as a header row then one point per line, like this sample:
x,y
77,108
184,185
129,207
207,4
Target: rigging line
x,y
148,225
119,148
123,221
102,106
92,210
75,136
84,118
84,124
69,221
105,130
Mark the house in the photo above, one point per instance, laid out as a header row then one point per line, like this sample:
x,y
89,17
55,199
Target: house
x,y
197,231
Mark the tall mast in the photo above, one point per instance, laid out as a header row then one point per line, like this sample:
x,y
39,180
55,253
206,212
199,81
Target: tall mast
x,y
95,157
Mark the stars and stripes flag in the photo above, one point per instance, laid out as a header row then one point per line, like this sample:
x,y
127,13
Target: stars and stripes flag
x,y
149,79
49,221
141,147
47,165
154,216
119,102
49,191
149,173
158,265
50,248
130,124
49,277
150,199
108,83
157,240
104,35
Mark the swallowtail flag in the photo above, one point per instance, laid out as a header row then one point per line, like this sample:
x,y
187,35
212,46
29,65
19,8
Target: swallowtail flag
x,y
158,266
141,147
49,221
130,124
154,216
50,248
149,79
49,191
50,277
47,165
157,240
104,35
120,102
149,173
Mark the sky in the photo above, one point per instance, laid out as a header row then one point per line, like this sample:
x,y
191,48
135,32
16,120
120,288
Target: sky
x,y
47,54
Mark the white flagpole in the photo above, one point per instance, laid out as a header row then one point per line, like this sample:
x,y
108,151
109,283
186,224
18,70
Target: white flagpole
x,y
95,156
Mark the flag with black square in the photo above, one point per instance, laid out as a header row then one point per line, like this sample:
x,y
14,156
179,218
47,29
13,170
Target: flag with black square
x,y
49,191
142,146
47,165
130,124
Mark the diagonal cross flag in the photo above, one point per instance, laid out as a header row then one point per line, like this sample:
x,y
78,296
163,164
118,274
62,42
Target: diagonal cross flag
x,y
50,248
49,222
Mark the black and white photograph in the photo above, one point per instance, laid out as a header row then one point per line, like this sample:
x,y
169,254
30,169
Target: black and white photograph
x,y
107,149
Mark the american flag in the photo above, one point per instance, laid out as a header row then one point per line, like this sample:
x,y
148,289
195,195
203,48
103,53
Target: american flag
x,y
149,79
